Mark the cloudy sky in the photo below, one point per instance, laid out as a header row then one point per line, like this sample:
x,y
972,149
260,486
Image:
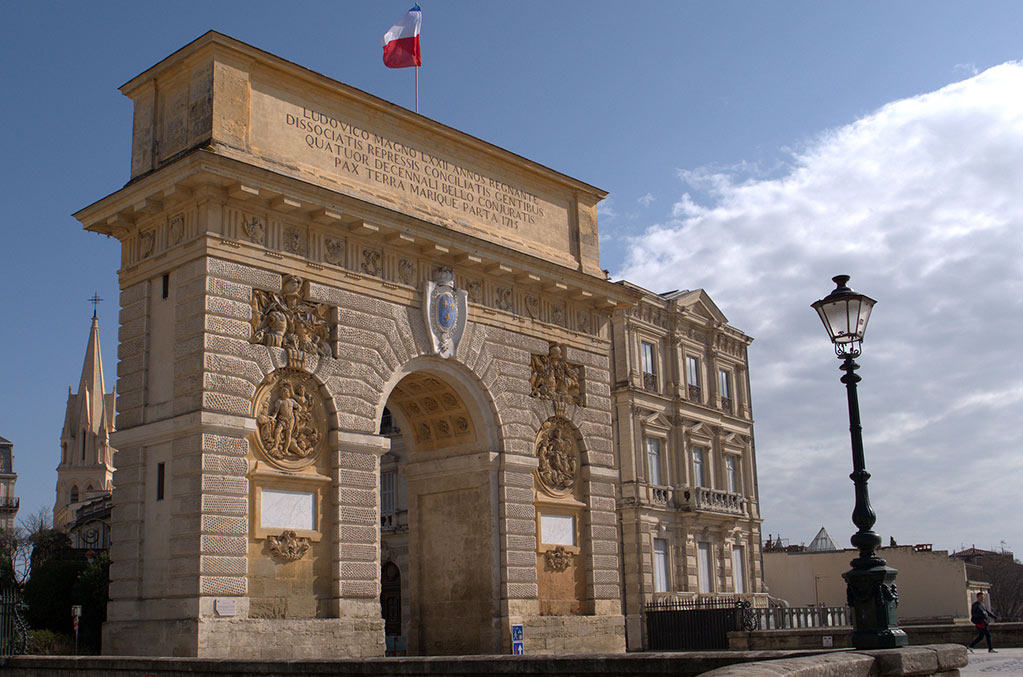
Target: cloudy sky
x,y
752,149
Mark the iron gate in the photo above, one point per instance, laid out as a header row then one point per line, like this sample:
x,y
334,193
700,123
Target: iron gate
x,y
676,625
13,630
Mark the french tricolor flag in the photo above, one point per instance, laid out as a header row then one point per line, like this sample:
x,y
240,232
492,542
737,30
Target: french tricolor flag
x,y
401,42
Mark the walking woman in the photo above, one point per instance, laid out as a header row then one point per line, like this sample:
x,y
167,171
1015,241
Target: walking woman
x,y
978,616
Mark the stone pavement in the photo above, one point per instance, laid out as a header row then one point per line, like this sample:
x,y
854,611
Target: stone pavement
x,y
1005,663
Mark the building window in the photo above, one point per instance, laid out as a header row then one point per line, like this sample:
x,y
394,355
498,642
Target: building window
x,y
161,472
649,372
731,474
693,377
653,458
166,285
699,467
387,493
703,568
725,389
739,569
660,565
74,494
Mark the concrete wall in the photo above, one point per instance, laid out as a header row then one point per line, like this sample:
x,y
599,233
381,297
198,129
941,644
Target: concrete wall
x,y
930,583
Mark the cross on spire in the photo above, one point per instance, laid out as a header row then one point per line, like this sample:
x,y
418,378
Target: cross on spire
x,y
95,302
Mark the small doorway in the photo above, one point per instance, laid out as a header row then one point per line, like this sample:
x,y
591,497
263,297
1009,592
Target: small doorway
x,y
390,607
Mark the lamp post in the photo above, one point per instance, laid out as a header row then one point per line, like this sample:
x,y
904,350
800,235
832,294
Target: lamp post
x,y
870,584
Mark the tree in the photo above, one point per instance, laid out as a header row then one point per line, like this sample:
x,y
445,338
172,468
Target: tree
x,y
54,567
1006,578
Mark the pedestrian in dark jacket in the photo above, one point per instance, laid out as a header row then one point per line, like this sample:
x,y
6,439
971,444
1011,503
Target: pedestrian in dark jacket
x,y
979,616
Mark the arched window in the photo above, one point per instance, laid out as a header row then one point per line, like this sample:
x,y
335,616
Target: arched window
x,y
74,493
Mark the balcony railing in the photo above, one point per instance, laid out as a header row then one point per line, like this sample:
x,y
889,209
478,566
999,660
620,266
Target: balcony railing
x,y
714,500
650,382
695,393
9,503
726,404
785,618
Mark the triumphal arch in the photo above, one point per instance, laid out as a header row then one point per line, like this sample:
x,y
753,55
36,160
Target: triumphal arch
x,y
300,261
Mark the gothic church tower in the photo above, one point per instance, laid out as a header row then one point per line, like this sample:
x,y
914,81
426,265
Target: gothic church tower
x,y
86,458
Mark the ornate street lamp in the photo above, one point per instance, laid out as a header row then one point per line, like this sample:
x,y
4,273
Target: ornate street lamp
x,y
870,584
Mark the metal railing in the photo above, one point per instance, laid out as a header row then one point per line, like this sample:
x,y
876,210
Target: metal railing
x,y
13,629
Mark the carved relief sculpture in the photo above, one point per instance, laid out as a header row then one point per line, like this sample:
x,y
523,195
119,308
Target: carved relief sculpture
x,y
176,229
334,251
406,272
147,241
290,419
294,241
554,378
445,310
503,299
254,229
558,456
285,320
558,559
372,262
532,306
475,291
288,547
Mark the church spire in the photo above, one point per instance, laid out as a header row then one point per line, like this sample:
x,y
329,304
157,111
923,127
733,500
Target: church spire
x,y
90,386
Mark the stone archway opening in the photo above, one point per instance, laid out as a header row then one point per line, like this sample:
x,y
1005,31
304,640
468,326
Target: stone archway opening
x,y
439,511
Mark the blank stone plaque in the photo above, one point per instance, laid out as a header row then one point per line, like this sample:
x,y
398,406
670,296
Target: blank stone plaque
x,y
288,510
557,529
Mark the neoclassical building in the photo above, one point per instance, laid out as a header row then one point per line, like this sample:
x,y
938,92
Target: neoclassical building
x,y
689,507
366,385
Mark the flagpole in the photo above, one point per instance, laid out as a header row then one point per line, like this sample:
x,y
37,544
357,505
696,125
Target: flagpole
x,y
417,89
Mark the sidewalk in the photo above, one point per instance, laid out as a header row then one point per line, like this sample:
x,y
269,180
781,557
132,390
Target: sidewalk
x,y
1005,663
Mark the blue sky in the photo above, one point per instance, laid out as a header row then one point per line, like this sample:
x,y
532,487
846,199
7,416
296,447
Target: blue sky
x,y
750,148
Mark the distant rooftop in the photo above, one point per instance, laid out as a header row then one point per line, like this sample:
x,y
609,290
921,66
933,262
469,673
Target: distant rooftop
x,y
822,542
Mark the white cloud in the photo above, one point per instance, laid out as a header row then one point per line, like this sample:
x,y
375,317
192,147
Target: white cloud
x,y
921,203
646,200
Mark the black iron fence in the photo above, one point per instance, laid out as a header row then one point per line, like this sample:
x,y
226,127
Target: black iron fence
x,y
700,624
13,629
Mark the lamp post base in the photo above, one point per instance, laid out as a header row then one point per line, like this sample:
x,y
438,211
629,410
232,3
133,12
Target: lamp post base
x,y
873,596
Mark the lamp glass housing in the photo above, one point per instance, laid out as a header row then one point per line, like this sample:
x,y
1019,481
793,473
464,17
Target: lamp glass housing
x,y
844,313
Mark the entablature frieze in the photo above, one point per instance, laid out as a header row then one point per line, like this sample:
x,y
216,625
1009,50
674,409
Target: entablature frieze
x,y
250,215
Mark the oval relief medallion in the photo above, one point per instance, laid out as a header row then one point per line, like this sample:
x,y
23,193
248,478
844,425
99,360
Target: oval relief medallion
x,y
558,456
290,419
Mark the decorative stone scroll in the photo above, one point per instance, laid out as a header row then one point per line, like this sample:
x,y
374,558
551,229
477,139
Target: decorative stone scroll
x,y
288,547
556,379
290,419
285,320
558,456
444,310
558,559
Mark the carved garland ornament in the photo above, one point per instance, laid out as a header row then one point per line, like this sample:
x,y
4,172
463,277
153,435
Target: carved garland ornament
x,y
285,320
290,419
288,547
558,456
558,559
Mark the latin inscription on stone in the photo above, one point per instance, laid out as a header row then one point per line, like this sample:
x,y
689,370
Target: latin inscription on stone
x,y
405,166
362,153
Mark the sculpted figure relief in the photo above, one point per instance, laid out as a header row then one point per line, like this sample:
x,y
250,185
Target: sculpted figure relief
x,y
558,455
554,378
285,320
290,420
